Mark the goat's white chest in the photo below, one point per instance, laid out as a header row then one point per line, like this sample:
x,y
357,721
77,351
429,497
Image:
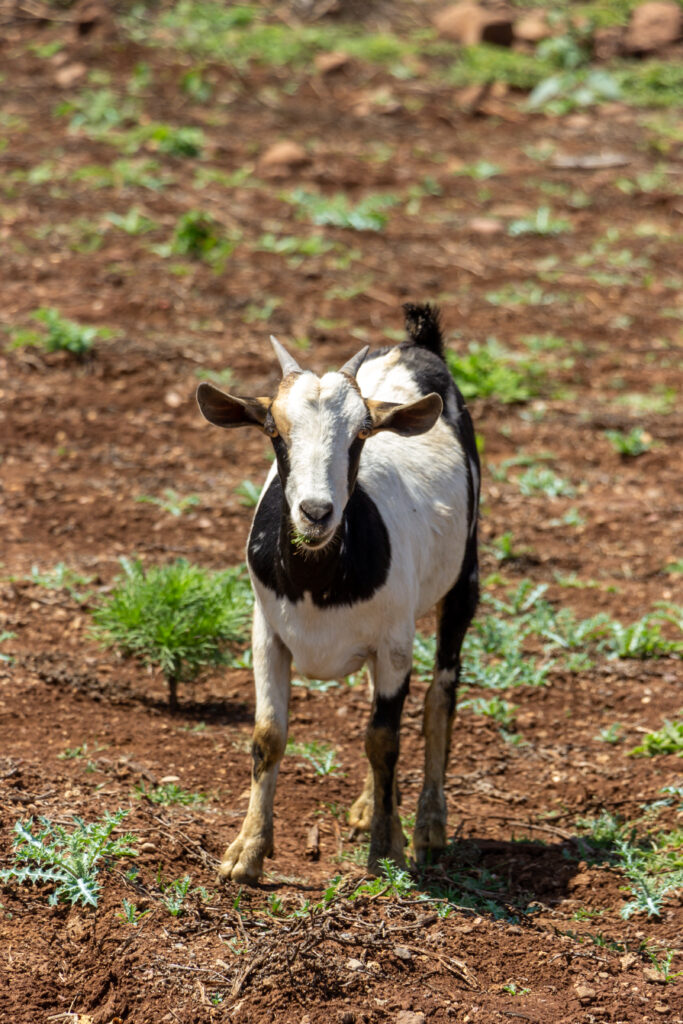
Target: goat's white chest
x,y
326,643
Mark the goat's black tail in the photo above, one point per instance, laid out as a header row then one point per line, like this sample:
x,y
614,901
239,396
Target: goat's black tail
x,y
423,325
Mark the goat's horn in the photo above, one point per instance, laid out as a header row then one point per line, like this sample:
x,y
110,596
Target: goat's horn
x,y
354,364
287,363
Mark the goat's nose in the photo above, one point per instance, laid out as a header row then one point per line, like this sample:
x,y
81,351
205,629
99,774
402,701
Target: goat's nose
x,y
316,511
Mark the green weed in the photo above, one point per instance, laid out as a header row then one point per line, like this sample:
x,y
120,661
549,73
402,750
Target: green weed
x,y
133,222
643,638
336,211
178,618
171,502
221,378
248,493
174,894
169,793
130,913
630,445
612,734
541,222
48,854
322,756
62,577
199,236
543,481
5,635
667,740
492,371
61,335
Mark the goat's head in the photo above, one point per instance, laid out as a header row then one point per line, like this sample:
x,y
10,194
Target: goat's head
x,y
318,426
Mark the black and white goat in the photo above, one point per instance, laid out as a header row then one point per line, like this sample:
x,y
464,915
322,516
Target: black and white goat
x,y
367,520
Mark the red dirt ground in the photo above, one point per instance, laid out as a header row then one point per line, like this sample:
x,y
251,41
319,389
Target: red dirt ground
x,y
80,441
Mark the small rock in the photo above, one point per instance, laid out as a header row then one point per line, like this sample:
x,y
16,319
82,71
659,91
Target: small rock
x,y
469,24
169,778
585,993
326,63
403,953
173,399
653,25
347,1017
69,74
354,965
660,1008
532,27
147,848
409,1017
653,975
282,157
485,226
312,851
628,960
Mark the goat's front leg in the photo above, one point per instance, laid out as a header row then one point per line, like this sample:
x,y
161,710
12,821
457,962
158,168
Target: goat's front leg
x,y
392,679
243,859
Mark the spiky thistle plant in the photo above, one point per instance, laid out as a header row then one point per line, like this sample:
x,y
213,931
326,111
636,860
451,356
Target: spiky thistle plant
x,y
50,855
178,618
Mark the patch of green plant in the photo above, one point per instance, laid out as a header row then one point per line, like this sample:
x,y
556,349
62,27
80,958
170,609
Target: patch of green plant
x,y
483,64
611,734
657,402
292,245
500,472
81,751
630,445
60,335
337,211
47,854
394,882
98,110
503,548
171,140
650,83
502,712
174,894
200,237
490,370
663,965
643,638
6,635
481,170
195,84
515,990
244,33
542,222
178,618
130,913
62,577
124,174
667,740
562,93
248,493
169,793
541,480
134,222
524,293
222,378
171,502
322,756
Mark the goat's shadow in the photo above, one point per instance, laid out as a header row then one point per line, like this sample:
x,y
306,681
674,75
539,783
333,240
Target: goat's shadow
x,y
508,879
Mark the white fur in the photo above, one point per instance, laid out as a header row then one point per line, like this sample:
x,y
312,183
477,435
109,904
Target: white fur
x,y
419,485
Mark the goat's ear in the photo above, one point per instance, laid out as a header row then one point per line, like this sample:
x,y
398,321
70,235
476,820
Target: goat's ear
x,y
230,410
408,419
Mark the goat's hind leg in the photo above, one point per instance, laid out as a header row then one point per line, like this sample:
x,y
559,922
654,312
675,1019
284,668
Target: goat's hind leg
x,y
455,614
243,859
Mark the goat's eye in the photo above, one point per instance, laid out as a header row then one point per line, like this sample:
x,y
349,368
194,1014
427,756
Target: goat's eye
x,y
271,430
364,432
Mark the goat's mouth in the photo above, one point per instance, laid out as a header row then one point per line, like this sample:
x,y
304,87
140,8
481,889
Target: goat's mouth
x,y
313,539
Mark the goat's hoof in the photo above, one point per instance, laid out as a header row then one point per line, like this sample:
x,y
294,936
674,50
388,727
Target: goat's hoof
x,y
390,844
243,860
429,840
360,814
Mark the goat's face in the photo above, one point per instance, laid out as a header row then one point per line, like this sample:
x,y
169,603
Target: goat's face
x,y
321,423
318,426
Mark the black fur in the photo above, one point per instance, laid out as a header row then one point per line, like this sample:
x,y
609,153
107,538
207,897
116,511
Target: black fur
x,y
386,716
350,568
423,325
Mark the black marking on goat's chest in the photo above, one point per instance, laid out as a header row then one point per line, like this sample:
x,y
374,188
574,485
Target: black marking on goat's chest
x,y
351,568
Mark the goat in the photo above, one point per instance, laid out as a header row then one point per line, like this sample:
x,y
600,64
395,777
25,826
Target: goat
x,y
367,519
